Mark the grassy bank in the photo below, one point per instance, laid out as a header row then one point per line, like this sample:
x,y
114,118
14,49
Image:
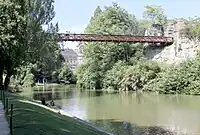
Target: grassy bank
x,y
31,119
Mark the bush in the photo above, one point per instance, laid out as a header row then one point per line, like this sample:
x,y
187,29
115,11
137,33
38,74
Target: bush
x,y
137,76
29,80
114,76
64,74
89,75
184,79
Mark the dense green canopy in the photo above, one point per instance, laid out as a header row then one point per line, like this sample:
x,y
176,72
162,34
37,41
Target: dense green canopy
x,y
100,57
26,49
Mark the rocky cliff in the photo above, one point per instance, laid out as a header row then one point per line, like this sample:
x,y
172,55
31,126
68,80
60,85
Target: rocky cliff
x,y
181,50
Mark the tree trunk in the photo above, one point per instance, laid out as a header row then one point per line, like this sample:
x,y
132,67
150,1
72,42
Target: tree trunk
x,y
8,68
7,81
1,79
1,72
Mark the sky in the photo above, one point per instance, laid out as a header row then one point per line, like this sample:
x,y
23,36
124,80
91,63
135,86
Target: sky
x,y
74,15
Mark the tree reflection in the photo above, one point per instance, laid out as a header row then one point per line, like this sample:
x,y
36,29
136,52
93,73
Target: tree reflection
x,y
126,128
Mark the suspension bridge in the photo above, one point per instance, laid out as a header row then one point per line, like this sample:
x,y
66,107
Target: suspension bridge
x,y
153,40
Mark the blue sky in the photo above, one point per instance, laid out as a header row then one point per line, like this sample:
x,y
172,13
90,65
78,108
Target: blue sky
x,y
74,15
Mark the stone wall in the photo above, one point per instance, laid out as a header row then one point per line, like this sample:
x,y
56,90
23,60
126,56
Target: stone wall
x,y
181,50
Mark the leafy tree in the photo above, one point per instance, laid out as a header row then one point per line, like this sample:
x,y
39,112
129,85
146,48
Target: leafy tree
x,y
43,48
155,14
66,74
97,12
192,29
23,42
42,44
12,37
100,57
143,25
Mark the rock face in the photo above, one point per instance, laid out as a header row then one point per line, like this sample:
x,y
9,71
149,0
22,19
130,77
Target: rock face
x,y
181,50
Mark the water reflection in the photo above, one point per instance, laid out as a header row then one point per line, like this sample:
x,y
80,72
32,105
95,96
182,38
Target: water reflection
x,y
126,128
51,92
128,113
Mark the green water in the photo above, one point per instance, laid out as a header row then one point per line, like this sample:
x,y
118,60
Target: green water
x,y
123,113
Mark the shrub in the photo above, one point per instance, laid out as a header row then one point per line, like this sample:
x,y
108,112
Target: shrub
x,y
114,76
137,76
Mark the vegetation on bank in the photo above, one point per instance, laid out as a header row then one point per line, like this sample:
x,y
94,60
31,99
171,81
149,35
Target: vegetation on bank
x,y
122,66
30,119
29,53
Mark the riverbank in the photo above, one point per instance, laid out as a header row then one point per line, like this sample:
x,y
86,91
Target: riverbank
x,y
32,118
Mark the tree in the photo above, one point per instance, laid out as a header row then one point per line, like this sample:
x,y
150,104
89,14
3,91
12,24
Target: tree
x,y
41,12
23,40
97,11
143,25
66,74
101,57
155,15
192,29
43,48
12,37
43,44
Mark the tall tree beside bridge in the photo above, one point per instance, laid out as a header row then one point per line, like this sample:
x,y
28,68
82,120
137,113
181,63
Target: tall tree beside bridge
x,y
155,14
22,39
100,57
44,57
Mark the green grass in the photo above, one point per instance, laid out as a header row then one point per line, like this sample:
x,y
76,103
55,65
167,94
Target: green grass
x,y
31,119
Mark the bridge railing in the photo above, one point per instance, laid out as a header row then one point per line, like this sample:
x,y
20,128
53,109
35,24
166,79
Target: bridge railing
x,y
115,38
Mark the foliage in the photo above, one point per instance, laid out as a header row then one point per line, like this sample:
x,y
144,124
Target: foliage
x,y
12,37
101,57
48,64
155,14
66,74
29,80
183,79
88,75
144,25
137,76
54,76
114,76
45,51
23,75
192,29
26,49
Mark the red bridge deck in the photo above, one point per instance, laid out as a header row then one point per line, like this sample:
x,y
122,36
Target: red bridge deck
x,y
116,38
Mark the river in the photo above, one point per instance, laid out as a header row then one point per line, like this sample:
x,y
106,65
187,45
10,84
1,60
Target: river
x,y
123,113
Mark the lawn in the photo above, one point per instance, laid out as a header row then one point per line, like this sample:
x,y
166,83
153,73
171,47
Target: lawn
x,y
30,119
